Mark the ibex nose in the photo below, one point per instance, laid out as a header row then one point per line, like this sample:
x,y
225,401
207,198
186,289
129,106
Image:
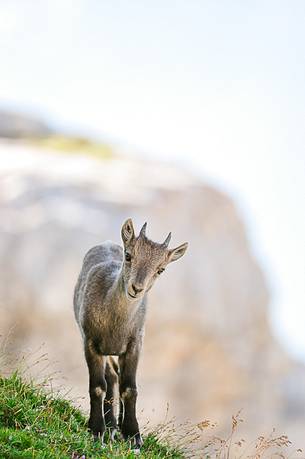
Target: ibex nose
x,y
136,288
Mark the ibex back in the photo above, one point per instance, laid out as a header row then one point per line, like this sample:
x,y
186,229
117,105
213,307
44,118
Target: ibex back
x,y
110,305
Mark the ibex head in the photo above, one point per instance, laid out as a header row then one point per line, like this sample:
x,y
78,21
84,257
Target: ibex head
x,y
144,260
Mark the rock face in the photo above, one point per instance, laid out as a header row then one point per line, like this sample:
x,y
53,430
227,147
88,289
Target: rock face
x,y
208,348
14,125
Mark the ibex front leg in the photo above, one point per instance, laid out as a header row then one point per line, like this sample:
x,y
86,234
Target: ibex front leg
x,y
97,390
128,394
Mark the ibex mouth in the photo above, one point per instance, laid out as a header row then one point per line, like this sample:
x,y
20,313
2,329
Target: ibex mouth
x,y
131,296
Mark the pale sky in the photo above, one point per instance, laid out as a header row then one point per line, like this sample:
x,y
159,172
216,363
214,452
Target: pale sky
x,y
218,85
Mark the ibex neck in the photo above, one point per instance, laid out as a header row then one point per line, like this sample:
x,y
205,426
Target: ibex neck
x,y
119,296
120,285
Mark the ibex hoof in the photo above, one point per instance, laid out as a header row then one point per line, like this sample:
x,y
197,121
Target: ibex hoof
x,y
115,433
98,436
137,443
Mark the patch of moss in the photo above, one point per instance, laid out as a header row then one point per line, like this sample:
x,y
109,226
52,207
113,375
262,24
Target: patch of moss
x,y
74,145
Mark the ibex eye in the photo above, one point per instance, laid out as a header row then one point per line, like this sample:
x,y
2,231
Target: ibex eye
x,y
127,256
160,271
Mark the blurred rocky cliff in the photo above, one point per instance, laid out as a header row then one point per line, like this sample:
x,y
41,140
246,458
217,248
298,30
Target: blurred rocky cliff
x,y
208,349
15,125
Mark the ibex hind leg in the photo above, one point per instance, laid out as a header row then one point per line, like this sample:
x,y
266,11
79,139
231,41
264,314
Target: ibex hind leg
x,y
111,375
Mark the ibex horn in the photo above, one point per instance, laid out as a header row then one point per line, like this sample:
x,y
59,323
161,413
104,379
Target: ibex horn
x,y
143,230
167,240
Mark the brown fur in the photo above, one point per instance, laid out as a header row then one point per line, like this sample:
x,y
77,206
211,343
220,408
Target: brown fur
x,y
110,306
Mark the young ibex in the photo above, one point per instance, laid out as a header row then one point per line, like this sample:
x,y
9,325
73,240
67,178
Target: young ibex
x,y
110,306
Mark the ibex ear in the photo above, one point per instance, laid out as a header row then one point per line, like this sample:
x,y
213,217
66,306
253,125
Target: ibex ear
x,y
127,231
178,252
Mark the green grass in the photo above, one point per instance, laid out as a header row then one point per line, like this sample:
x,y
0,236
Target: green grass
x,y
37,424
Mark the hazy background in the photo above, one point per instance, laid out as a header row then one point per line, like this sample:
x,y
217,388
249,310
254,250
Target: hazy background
x,y
217,87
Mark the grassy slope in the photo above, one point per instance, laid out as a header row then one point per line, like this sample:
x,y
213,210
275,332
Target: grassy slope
x,y
34,424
